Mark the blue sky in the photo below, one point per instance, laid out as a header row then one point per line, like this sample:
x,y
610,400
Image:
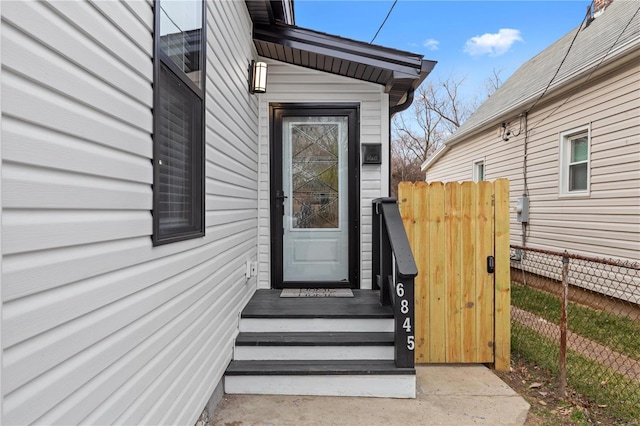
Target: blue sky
x,y
467,38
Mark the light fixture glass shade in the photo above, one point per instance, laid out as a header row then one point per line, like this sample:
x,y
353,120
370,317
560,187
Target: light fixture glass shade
x,y
259,77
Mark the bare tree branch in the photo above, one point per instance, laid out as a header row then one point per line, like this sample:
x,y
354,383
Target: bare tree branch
x,y
493,82
437,111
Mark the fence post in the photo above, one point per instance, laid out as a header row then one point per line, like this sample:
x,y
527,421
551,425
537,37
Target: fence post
x,y
502,277
563,326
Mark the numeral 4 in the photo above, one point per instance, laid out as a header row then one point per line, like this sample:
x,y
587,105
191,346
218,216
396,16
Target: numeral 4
x,y
407,325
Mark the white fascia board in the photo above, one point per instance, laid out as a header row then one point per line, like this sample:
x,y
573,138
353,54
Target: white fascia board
x,y
439,153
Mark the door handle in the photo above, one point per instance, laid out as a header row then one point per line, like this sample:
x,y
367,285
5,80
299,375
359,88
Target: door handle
x,y
280,197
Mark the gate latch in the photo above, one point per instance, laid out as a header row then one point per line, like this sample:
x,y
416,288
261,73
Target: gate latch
x,y
491,264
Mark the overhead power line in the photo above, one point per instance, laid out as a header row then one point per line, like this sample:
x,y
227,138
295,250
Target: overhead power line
x,y
384,22
575,36
592,71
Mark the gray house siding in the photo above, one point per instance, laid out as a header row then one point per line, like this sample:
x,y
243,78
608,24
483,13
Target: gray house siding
x,y
98,326
606,223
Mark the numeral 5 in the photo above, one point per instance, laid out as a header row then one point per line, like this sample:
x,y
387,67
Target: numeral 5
x,y
410,343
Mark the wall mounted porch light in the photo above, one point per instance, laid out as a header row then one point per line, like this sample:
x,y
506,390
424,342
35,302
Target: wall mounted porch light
x,y
258,77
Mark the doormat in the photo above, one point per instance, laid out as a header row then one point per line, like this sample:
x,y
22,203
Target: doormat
x,y
316,292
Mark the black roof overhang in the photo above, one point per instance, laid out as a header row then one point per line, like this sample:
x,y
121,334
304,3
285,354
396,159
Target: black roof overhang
x,y
399,71
271,11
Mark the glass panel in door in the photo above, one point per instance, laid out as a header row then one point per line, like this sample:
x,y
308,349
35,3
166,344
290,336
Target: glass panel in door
x,y
315,182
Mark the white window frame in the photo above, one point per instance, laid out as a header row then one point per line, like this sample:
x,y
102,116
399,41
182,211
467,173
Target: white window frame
x,y
565,157
474,170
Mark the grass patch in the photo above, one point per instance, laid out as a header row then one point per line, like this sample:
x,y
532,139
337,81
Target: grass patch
x,y
594,381
534,347
578,417
621,334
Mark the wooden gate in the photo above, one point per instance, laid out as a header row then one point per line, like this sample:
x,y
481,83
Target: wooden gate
x,y
457,231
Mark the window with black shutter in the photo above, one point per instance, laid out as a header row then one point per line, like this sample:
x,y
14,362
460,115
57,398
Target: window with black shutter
x,y
178,154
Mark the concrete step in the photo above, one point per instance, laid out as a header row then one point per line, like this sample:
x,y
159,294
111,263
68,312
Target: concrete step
x,y
314,346
329,378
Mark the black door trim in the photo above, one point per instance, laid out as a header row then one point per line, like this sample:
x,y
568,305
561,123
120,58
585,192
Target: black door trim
x,y
276,112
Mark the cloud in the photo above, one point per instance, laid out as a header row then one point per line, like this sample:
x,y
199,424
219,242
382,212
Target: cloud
x,y
431,44
492,44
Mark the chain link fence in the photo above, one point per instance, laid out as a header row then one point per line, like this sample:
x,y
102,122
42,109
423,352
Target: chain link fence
x,y
579,317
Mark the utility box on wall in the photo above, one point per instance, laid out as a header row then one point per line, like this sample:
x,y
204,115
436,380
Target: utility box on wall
x,y
522,209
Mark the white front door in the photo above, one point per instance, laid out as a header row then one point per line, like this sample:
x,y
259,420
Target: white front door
x,y
315,153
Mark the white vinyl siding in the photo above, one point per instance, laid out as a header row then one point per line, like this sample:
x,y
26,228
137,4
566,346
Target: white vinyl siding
x,y
99,326
606,223
289,83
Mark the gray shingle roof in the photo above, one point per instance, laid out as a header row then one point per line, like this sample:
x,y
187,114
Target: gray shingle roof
x,y
592,44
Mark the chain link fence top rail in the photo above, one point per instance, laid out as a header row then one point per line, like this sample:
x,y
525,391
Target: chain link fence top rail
x,y
603,323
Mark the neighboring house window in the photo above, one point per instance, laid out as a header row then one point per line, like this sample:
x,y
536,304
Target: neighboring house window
x,y
478,170
178,142
574,162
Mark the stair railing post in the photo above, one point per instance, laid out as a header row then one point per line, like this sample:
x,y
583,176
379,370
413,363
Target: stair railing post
x,y
382,262
375,244
385,264
398,270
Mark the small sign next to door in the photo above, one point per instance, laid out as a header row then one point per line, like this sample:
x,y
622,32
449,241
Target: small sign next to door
x,y
371,153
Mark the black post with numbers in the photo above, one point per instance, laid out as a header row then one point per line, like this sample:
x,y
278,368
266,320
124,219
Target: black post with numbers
x,y
391,247
404,316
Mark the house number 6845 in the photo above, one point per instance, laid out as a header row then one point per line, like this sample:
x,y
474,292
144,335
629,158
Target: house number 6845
x,y
404,309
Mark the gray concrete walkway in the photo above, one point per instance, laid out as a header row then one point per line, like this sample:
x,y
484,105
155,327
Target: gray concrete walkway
x,y
447,395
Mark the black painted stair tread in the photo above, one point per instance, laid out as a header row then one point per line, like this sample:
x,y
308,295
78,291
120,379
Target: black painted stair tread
x,y
269,304
306,368
315,339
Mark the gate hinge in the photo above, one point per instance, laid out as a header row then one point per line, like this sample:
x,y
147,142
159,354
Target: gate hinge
x,y
491,264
